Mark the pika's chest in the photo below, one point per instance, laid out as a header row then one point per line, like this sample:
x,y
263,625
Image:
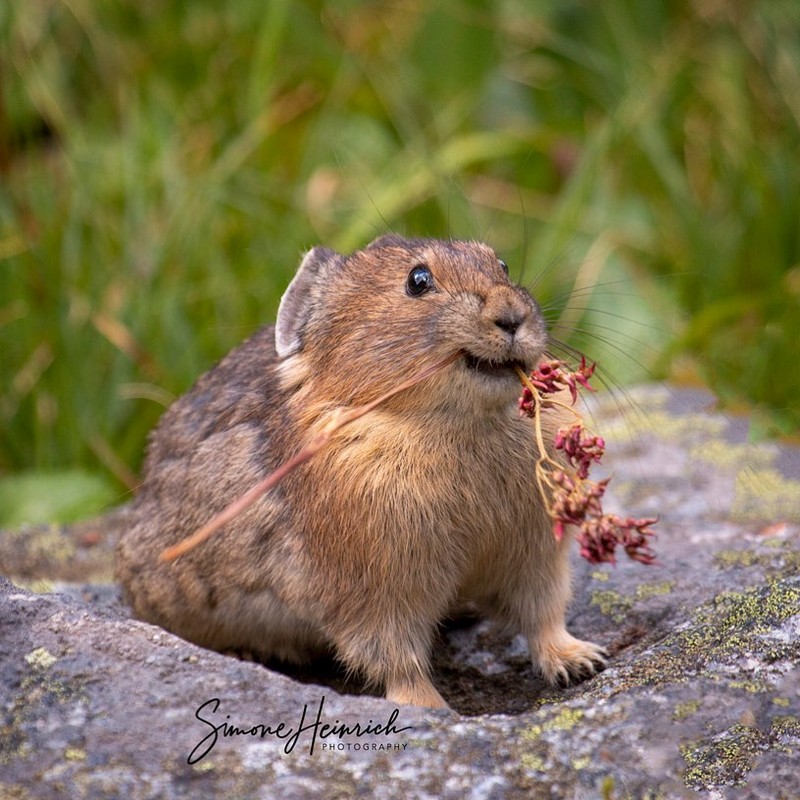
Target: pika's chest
x,y
458,479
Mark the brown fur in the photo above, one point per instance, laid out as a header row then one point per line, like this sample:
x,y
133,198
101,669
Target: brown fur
x,y
427,501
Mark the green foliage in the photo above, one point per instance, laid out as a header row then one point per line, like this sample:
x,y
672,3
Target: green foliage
x,y
164,164
63,496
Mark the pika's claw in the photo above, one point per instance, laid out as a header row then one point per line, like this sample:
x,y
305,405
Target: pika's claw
x,y
564,660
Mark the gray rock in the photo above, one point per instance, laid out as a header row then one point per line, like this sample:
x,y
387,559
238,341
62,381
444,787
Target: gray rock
x,y
701,699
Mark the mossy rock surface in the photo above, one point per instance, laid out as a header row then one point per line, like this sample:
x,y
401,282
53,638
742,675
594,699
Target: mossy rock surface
x,y
701,698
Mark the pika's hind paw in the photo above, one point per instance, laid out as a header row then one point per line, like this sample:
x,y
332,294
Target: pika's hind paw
x,y
417,693
563,659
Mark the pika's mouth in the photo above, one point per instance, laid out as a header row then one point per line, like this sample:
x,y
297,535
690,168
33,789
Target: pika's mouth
x,y
493,369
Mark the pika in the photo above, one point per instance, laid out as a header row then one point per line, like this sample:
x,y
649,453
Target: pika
x,y
427,502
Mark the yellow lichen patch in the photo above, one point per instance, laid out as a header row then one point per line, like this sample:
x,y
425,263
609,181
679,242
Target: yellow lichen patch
x,y
775,541
600,575
532,733
607,788
40,657
684,710
783,702
533,762
726,759
721,630
726,559
766,494
419,743
645,590
788,725
666,426
732,457
581,763
616,605
37,586
564,721
75,754
611,603
752,687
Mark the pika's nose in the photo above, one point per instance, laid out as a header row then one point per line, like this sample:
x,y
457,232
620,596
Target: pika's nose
x,y
505,309
509,321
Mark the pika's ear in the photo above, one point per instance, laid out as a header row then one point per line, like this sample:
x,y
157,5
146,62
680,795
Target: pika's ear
x,y
297,303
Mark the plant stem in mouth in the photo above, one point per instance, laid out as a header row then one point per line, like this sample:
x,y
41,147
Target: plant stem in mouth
x,y
539,471
339,419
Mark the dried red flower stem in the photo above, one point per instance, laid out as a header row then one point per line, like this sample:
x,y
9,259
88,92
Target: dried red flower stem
x,y
538,385
571,498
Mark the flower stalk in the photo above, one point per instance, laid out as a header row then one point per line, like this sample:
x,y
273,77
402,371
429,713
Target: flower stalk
x,y
338,420
572,499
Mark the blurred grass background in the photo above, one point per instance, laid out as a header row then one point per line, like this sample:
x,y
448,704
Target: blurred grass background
x,y
163,164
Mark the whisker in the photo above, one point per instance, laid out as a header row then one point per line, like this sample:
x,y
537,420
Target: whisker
x,y
543,273
622,399
617,347
605,313
590,333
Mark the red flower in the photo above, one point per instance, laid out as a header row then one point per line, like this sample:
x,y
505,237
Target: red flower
x,y
580,376
574,499
600,536
580,448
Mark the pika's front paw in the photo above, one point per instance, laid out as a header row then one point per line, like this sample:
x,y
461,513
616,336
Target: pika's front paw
x,y
563,659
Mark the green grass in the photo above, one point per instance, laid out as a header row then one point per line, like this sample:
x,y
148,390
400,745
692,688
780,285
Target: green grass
x,y
164,165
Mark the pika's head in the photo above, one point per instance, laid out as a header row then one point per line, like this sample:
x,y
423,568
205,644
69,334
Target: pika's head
x,y
358,325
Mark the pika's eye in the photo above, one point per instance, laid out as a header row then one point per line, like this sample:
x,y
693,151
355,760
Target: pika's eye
x,y
503,265
419,281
